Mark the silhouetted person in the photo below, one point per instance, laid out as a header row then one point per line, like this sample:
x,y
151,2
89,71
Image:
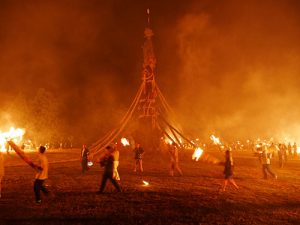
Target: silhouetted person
x,y
84,158
266,162
107,161
41,175
289,149
295,149
228,170
284,151
138,156
174,159
281,155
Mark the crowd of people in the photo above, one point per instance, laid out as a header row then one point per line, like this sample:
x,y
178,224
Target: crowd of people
x,y
109,160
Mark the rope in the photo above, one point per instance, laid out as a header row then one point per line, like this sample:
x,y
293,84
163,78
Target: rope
x,y
101,146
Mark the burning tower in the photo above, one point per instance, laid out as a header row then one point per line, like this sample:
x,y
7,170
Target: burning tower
x,y
149,111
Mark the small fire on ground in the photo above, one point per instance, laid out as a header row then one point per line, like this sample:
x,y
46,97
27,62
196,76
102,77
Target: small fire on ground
x,y
145,183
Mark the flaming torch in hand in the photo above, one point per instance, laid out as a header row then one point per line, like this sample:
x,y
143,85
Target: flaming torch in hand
x,y
198,153
124,142
215,139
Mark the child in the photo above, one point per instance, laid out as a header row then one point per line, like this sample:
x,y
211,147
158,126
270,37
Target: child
x,y
228,170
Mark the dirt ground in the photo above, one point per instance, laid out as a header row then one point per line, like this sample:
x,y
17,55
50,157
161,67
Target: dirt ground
x,y
194,198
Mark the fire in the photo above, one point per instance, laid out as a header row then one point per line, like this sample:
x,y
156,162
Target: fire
x,y
90,163
298,150
197,154
167,141
145,183
13,134
124,142
215,139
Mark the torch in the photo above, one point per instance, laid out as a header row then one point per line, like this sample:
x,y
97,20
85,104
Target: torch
x,y
200,154
22,155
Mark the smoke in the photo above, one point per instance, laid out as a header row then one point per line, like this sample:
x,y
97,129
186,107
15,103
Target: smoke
x,y
227,67
72,49
239,69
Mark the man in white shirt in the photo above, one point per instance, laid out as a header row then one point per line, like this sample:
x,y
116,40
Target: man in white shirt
x,y
266,162
41,175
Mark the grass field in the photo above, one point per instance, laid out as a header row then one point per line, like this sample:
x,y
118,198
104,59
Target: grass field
x,y
191,199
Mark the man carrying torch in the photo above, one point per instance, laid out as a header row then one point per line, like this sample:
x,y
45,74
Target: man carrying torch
x,y
41,175
41,169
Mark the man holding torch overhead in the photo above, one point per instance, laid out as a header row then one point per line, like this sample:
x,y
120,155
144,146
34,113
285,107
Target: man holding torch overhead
x,y
41,175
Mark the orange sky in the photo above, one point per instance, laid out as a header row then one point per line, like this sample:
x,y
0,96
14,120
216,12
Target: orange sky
x,y
230,67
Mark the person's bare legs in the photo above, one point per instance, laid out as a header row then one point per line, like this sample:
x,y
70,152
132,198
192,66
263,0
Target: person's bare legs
x,y
141,165
234,184
172,169
225,184
178,169
135,166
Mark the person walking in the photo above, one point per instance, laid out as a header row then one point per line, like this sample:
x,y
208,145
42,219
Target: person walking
x,y
174,160
41,175
228,171
266,162
107,161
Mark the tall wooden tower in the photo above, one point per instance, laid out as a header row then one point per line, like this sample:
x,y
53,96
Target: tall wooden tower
x,y
149,112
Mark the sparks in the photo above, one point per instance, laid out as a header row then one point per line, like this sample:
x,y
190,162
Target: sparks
x,y
197,154
90,163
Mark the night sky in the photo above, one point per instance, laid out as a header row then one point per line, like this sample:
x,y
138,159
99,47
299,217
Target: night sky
x,y
227,67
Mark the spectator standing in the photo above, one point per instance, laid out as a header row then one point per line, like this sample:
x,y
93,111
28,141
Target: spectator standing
x,y
138,156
